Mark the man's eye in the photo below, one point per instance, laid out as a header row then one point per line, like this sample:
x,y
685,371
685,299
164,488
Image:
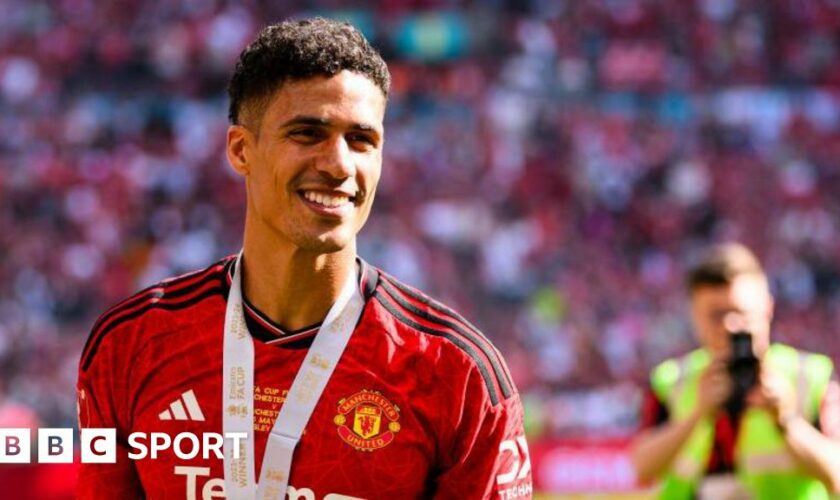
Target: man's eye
x,y
361,140
306,133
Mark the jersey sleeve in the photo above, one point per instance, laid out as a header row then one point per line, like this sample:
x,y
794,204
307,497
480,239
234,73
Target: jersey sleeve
x,y
102,393
489,456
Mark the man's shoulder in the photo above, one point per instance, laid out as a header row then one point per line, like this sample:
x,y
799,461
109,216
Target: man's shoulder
x,y
779,346
415,313
818,365
674,370
158,306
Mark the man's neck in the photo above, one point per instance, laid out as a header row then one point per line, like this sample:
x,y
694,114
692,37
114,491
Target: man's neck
x,y
293,287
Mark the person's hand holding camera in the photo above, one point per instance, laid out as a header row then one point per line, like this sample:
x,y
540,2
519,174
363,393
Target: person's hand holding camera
x,y
714,388
774,393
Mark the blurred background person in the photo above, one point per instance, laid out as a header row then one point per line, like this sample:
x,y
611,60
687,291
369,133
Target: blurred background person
x,y
740,417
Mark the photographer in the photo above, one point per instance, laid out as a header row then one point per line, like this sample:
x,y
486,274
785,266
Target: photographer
x,y
739,417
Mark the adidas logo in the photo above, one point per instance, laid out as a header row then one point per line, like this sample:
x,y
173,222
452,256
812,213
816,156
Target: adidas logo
x,y
184,408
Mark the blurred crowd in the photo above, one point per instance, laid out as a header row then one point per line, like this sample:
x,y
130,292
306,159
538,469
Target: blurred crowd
x,y
551,167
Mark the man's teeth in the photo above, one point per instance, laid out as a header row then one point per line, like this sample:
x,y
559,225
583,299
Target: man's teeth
x,y
325,199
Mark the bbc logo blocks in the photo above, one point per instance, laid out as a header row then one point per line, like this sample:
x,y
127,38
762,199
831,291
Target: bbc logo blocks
x,y
99,446
14,446
56,446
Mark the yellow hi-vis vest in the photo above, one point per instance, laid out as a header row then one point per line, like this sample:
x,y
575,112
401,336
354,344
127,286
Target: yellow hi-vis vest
x,y
762,462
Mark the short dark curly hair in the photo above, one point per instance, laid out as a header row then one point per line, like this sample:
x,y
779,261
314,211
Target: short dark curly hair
x,y
293,50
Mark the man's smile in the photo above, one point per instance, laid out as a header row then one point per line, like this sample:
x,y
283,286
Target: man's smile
x,y
332,203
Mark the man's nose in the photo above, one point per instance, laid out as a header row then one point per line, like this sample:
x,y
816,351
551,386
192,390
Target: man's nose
x,y
337,159
735,322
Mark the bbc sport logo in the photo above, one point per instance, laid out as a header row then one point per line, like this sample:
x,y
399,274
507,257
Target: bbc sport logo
x,y
99,446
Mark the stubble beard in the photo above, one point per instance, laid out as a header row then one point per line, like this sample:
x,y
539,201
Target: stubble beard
x,y
307,237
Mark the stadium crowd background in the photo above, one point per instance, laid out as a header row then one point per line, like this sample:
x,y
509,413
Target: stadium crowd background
x,y
550,168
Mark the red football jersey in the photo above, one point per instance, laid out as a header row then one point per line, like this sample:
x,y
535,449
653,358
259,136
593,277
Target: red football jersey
x,y
420,404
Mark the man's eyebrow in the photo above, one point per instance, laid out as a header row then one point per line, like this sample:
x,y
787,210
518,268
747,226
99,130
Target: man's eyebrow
x,y
364,127
306,120
323,122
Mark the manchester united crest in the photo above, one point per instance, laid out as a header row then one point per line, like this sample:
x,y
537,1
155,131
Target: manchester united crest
x,y
367,421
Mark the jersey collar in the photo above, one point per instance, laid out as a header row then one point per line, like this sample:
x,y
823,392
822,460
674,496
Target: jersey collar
x,y
267,331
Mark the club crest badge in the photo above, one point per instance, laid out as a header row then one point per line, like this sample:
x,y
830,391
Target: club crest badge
x,y
367,421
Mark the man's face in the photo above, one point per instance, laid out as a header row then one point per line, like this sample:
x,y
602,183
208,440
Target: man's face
x,y
312,169
718,311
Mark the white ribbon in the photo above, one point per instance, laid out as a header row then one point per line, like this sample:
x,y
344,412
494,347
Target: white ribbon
x,y
306,390
238,394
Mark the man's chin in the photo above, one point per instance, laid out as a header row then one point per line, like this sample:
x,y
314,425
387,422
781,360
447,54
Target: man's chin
x,y
324,243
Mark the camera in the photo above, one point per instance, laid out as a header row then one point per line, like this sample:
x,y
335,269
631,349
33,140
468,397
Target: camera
x,y
743,370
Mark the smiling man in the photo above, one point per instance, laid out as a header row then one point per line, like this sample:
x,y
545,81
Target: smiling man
x,y
345,382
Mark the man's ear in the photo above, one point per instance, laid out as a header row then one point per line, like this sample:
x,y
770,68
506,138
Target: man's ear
x,y
240,141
